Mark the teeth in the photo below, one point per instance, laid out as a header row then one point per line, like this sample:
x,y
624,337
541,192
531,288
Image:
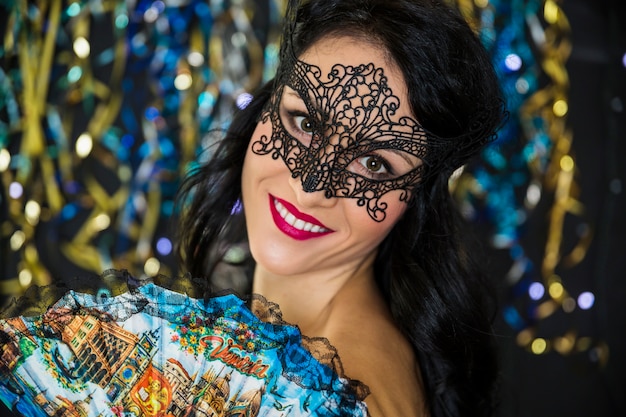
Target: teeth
x,y
290,218
295,222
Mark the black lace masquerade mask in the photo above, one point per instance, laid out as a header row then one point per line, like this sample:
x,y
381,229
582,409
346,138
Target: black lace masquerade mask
x,y
339,133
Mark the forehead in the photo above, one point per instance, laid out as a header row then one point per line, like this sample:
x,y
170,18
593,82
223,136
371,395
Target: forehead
x,y
353,51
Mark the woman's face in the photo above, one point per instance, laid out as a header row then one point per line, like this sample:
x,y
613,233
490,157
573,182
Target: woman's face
x,y
330,165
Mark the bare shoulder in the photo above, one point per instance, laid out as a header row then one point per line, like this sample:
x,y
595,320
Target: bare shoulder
x,y
374,352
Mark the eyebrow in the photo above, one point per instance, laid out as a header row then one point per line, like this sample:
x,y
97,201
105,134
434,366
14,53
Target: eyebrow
x,y
294,93
405,156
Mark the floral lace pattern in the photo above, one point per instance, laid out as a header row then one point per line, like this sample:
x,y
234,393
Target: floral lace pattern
x,y
352,111
151,351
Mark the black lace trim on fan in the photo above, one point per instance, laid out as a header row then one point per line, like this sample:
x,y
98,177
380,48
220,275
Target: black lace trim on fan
x,y
37,301
319,347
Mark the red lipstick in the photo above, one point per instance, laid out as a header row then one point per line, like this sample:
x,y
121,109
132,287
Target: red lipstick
x,y
304,227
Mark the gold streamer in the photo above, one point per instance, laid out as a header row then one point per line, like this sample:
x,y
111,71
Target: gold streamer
x,y
44,164
549,104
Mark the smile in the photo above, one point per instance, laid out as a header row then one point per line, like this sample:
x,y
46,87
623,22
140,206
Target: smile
x,y
293,223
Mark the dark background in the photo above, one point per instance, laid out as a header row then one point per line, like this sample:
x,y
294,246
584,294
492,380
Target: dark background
x,y
580,384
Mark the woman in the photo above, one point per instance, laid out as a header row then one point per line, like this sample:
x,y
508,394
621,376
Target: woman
x,y
342,165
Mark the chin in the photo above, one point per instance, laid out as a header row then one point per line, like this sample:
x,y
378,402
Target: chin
x,y
275,263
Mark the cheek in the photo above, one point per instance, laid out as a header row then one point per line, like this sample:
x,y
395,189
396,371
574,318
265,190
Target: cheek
x,y
371,229
252,160
262,142
261,172
395,208
262,134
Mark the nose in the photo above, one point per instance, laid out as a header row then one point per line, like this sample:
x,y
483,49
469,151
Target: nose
x,y
312,198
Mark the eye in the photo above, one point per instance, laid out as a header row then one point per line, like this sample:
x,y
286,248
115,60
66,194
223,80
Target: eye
x,y
299,125
383,164
304,124
297,116
374,164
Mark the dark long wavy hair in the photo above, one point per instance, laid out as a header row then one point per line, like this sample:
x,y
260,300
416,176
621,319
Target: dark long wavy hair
x,y
436,293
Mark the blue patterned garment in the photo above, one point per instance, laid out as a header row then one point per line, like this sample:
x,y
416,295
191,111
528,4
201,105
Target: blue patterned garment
x,y
155,352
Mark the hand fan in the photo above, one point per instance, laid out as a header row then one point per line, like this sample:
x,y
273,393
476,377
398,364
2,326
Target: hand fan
x,y
152,351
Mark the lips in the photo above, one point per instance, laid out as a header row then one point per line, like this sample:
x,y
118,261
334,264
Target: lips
x,y
294,223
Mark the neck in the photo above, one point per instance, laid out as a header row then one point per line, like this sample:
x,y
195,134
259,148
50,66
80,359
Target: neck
x,y
311,300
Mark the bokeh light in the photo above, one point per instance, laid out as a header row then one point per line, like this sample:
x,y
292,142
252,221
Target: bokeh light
x,y
536,291
100,222
513,62
32,211
183,81
164,246
17,240
539,346
152,267
567,163
556,290
5,160
195,59
586,300
25,277
81,47
560,108
15,190
84,145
